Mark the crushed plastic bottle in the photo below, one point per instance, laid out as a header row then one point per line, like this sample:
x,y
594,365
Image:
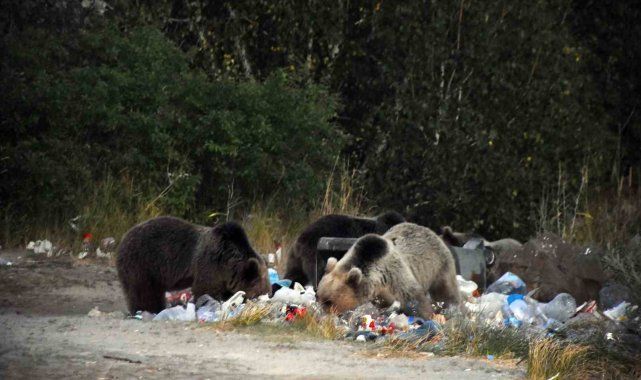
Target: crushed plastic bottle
x,y
509,283
177,313
488,305
208,309
561,308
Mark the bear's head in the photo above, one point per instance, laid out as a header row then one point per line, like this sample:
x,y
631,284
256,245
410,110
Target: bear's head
x,y
388,220
254,278
344,285
249,270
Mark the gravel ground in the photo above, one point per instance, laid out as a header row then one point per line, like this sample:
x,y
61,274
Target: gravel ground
x,y
46,333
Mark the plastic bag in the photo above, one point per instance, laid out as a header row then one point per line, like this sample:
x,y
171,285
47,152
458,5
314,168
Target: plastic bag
x,y
509,283
177,313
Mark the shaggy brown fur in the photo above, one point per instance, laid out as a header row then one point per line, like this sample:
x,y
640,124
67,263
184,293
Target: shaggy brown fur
x,y
168,253
405,264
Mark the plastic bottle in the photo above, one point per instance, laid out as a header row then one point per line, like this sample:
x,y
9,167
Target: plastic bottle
x,y
561,308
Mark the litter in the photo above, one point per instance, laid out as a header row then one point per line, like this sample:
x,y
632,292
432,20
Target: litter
x,y
509,283
107,247
4,262
233,305
208,309
620,312
467,288
561,308
41,246
298,295
273,276
177,313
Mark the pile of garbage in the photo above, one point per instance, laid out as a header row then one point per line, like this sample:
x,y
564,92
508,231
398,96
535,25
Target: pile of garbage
x,y
505,304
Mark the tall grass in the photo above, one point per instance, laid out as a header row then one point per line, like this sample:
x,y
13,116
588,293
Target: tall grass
x,y
582,214
269,222
109,209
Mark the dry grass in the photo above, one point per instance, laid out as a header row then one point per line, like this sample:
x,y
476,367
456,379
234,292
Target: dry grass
x,y
319,326
462,336
251,315
549,358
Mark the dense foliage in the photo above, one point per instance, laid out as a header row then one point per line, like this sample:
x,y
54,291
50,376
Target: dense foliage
x,y
467,113
80,107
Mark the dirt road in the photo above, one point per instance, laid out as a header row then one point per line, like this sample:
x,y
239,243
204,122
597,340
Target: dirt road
x,y
45,332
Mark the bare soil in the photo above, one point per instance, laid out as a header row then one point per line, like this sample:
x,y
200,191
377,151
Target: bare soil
x,y
46,333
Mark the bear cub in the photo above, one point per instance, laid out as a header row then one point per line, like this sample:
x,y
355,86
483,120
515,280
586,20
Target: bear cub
x,y
167,253
405,264
306,264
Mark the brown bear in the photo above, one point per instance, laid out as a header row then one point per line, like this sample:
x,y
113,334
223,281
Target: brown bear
x,y
306,264
167,253
405,264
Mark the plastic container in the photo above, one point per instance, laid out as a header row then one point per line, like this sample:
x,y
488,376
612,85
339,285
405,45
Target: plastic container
x,y
509,283
561,308
177,313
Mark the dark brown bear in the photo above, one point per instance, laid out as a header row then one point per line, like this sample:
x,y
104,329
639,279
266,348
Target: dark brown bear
x,y
306,264
167,253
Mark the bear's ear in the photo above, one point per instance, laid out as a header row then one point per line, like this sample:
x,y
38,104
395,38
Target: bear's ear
x,y
251,270
448,236
331,264
354,276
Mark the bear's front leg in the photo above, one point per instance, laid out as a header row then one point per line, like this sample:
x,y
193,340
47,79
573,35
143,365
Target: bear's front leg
x,y
423,306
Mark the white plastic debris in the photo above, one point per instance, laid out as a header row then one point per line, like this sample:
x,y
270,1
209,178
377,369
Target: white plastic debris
x,y
107,247
4,262
233,305
466,287
177,313
620,312
298,296
41,246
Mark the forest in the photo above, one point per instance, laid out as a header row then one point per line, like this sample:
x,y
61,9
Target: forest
x,y
507,118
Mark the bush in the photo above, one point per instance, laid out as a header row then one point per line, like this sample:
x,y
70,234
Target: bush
x,y
84,106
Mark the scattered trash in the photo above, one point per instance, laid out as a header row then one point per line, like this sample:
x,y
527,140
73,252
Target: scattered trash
x,y
612,295
620,312
298,295
41,246
273,276
107,247
490,357
467,288
509,283
233,305
561,308
86,246
177,313
4,262
208,309
179,297
95,312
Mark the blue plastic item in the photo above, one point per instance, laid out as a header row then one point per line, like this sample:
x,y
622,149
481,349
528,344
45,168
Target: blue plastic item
x,y
273,276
